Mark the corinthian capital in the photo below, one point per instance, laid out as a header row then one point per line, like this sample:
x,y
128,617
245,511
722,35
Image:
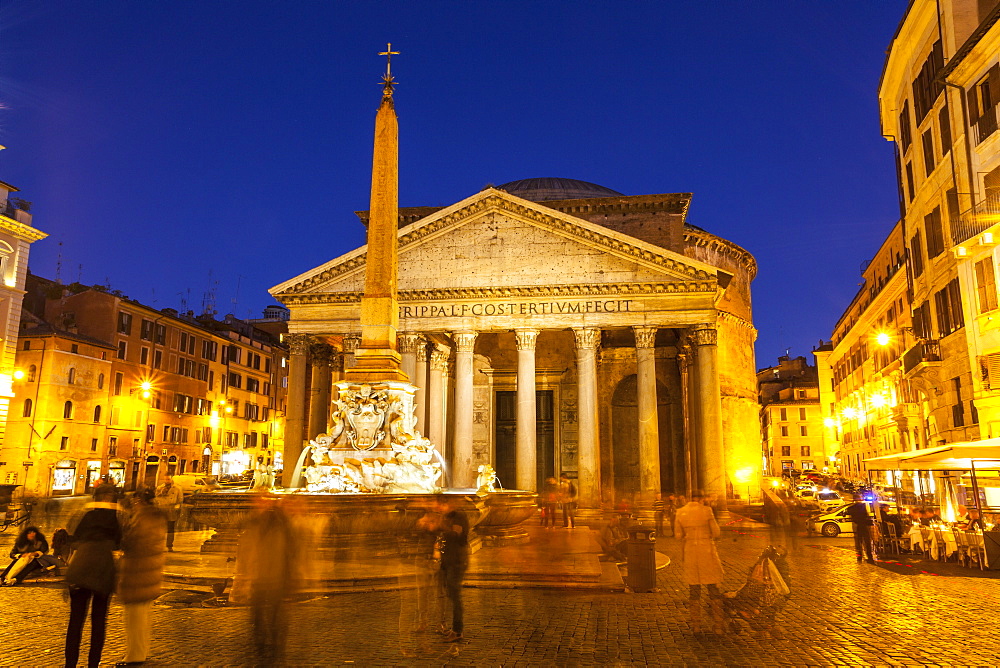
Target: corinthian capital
x,y
526,338
320,354
298,344
586,338
705,335
422,351
407,342
351,343
439,359
645,337
465,342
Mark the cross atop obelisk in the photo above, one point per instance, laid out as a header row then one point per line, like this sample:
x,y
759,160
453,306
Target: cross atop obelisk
x,y
378,357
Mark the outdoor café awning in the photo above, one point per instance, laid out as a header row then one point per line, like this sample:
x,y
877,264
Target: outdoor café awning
x,y
983,455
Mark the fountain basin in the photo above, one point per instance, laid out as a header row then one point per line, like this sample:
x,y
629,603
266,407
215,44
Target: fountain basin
x,y
372,523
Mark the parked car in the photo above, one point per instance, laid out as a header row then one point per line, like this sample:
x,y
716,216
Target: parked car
x,y
833,523
192,483
828,499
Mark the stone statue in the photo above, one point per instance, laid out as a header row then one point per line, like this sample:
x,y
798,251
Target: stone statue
x,y
487,480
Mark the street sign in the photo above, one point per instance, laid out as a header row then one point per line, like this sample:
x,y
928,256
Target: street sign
x,y
27,464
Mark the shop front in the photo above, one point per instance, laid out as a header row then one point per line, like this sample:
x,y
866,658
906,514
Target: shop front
x,y
64,478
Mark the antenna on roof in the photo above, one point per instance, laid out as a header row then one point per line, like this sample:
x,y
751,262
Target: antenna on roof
x,y
236,299
208,299
59,265
79,273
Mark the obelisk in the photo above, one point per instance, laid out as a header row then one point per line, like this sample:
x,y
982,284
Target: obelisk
x,y
378,358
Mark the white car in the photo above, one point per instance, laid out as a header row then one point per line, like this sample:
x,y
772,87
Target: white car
x,y
834,522
828,499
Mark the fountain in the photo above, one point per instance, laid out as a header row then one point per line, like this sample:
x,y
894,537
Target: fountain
x,y
373,476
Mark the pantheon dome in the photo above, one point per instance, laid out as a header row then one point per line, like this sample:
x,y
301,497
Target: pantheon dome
x,y
550,188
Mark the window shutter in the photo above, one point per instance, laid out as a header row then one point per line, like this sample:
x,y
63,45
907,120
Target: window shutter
x,y
992,371
994,78
972,96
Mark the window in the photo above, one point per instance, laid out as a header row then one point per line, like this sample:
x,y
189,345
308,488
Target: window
x,y
157,359
783,412
982,99
802,413
803,430
905,132
100,381
253,385
948,304
986,285
124,323
146,330
113,446
202,371
926,87
93,445
191,343
935,235
166,433
144,355
161,335
183,342
235,354
263,440
97,414
74,348
786,450
150,432
68,410
31,373
27,408
957,411
911,187
235,380
805,451
209,350
944,123
784,431
253,360
787,464
64,443
922,320
927,141
122,348
27,345
808,465
802,394
72,376
119,379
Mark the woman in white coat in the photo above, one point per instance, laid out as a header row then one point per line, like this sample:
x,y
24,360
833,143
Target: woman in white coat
x,y
695,524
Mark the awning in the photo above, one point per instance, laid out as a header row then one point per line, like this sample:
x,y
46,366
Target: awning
x,y
984,455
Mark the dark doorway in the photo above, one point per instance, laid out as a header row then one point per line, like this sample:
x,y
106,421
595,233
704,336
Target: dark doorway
x,y
152,469
505,461
625,436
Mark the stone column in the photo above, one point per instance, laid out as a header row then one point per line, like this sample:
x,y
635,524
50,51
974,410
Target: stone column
x,y
320,355
407,344
351,343
435,400
711,456
420,382
462,469
295,415
588,453
526,449
688,461
649,428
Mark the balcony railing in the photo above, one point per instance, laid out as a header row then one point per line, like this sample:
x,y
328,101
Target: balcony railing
x,y
987,124
921,352
17,210
976,220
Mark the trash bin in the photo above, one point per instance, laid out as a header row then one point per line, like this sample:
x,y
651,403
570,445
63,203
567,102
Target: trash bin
x,y
641,553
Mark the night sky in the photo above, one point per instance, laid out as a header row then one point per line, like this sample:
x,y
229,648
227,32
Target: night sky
x,y
173,149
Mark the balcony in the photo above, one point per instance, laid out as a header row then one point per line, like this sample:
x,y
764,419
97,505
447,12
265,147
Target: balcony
x,y
923,352
16,209
987,124
976,220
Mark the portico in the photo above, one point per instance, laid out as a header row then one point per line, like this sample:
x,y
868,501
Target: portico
x,y
541,343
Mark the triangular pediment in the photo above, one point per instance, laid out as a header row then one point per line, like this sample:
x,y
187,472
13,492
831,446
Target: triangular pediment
x,y
495,241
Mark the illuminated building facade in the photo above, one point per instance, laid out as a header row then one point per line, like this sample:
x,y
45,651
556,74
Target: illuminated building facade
x,y
791,420
16,236
119,388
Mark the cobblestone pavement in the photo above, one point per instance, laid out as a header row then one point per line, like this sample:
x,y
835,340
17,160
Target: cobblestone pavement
x,y
840,612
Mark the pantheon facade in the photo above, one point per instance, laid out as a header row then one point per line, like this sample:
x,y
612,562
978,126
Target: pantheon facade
x,y
553,325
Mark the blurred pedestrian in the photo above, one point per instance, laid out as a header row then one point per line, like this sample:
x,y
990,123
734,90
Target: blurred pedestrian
x,y
861,525
659,506
695,524
613,539
91,573
550,501
568,498
169,498
420,608
454,564
140,579
266,566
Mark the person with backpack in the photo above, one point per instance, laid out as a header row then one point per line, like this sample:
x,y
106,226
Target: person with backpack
x,y
568,496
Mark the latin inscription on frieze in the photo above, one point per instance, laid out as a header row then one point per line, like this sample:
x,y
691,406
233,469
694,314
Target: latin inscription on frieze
x,y
526,308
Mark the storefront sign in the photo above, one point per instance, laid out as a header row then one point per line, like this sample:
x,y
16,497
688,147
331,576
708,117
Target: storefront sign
x,y
27,464
499,309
